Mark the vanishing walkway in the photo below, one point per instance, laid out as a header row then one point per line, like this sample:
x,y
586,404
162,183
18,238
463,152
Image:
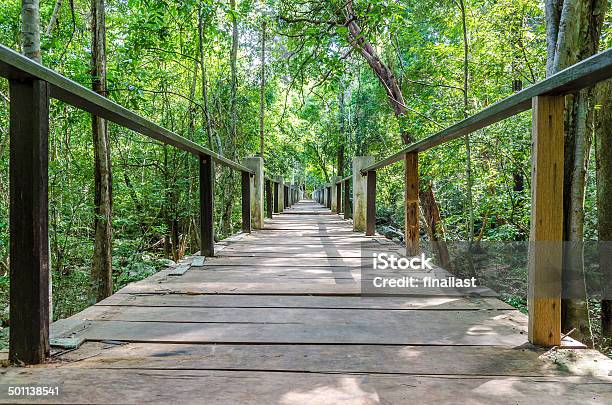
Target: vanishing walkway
x,y
276,317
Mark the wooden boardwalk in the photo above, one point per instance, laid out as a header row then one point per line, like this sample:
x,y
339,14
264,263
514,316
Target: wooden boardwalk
x,y
276,318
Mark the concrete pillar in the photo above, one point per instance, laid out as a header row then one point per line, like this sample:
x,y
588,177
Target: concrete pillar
x,y
281,193
257,191
360,192
334,195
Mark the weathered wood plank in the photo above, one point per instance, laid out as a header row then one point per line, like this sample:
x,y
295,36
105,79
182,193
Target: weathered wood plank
x,y
462,360
252,387
411,216
304,301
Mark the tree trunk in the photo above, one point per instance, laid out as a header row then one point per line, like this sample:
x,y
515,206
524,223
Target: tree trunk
x,y
54,16
234,76
102,271
207,123
341,134
603,140
573,31
30,30
433,225
262,89
468,146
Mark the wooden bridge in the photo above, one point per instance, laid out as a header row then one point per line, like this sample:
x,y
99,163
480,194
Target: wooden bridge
x,y
276,314
277,317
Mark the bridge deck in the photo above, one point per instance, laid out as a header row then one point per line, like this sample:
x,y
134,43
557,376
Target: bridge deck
x,y
276,317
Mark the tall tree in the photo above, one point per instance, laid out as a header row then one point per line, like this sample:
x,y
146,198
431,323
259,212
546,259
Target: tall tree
x,y
30,30
573,29
262,89
102,271
603,139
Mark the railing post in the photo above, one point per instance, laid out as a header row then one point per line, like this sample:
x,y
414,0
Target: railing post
x,y
257,191
246,202
29,205
329,196
286,196
411,217
371,204
334,206
281,193
347,200
360,192
339,197
275,198
269,199
546,234
207,181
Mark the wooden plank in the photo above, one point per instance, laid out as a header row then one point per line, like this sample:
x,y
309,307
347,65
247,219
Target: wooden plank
x,y
253,387
545,250
315,287
309,317
304,301
484,328
207,183
431,360
246,202
371,204
411,217
179,270
29,247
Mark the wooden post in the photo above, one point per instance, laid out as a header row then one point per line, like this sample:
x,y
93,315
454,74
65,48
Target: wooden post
x,y
333,203
371,204
411,218
360,192
257,190
347,200
286,196
276,207
207,181
339,197
545,239
329,195
281,193
246,202
269,199
29,243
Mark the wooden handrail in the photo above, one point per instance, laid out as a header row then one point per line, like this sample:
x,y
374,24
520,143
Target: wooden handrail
x,y
16,66
576,77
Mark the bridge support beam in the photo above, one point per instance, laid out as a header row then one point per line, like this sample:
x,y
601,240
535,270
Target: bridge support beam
x,y
360,192
411,217
347,199
371,203
207,184
546,234
334,205
29,204
257,190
